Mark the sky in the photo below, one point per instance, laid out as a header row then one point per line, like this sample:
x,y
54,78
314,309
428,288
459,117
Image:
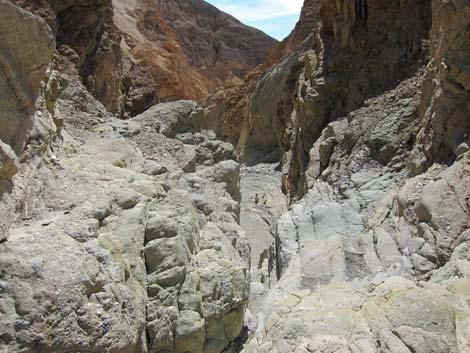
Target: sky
x,y
275,17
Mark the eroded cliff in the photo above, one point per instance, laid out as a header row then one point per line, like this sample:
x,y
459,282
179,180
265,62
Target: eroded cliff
x,y
340,54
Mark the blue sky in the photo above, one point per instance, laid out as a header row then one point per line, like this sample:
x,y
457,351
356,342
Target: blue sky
x,y
275,17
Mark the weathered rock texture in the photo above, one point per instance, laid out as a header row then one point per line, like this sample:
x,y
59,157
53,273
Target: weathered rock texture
x,y
22,68
370,257
445,109
123,236
189,48
371,115
84,29
368,102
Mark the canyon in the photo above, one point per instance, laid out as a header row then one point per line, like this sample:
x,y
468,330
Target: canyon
x,y
172,181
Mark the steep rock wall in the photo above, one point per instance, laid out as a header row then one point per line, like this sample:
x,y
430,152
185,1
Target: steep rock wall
x,y
378,247
87,28
353,50
445,134
24,133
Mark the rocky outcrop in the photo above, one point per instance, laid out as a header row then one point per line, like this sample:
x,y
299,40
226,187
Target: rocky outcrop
x,y
370,257
141,235
146,257
376,246
85,30
23,69
445,109
124,235
190,48
23,131
131,55
340,317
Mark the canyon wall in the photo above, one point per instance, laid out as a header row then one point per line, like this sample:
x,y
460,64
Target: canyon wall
x,y
23,132
444,107
85,31
373,253
340,54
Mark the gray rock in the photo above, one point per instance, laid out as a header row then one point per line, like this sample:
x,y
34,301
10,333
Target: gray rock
x,y
23,67
128,199
8,162
190,333
461,149
153,168
169,119
228,172
160,227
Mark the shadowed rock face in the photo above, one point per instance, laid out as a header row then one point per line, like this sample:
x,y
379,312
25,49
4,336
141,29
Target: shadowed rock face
x,y
85,31
446,93
339,54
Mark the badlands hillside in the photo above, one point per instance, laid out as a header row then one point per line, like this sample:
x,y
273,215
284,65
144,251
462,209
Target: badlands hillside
x,y
315,198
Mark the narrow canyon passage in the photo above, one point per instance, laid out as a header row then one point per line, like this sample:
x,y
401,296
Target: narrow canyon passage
x,y
129,223
262,204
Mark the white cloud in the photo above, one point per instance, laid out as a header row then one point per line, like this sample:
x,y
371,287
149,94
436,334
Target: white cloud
x,y
258,10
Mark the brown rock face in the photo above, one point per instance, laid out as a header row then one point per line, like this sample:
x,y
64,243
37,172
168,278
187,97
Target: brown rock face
x,y
189,48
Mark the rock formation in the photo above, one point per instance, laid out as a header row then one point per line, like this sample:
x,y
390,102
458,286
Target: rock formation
x,y
346,228
22,70
351,52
